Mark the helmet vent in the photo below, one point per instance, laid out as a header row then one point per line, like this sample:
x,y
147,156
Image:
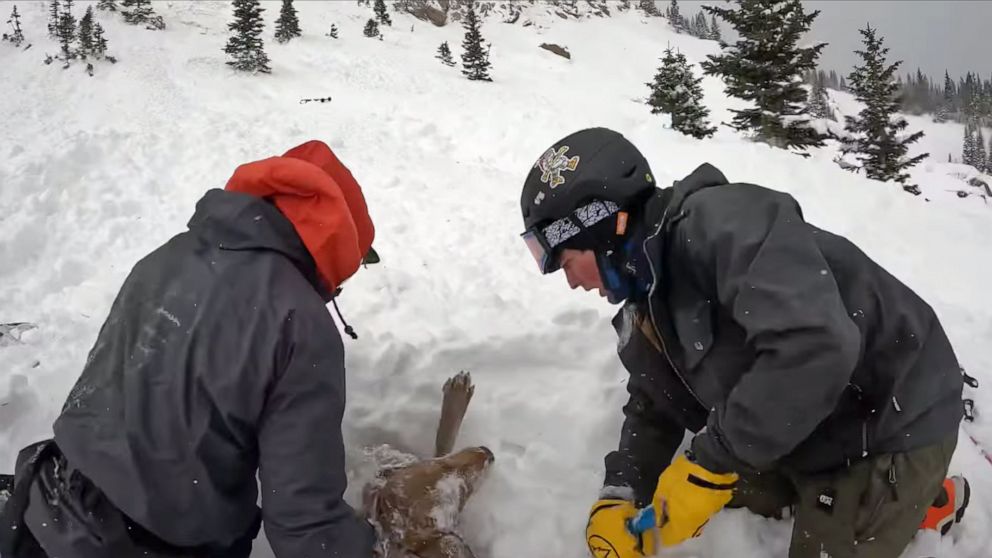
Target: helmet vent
x,y
630,172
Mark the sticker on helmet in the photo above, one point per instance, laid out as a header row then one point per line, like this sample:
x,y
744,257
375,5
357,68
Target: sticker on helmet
x,y
539,198
552,163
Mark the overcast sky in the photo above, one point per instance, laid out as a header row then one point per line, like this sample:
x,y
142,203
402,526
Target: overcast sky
x,y
931,34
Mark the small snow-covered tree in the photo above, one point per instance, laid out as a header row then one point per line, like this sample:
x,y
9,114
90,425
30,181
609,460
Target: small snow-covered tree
x,y
968,146
107,5
675,19
66,31
649,8
715,33
676,91
53,19
99,42
86,33
288,24
876,132
16,37
819,102
333,33
444,54
381,14
141,12
245,46
765,66
981,160
371,28
475,58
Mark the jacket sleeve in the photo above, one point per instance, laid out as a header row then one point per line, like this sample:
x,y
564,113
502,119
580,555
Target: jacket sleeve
x,y
648,440
753,247
301,466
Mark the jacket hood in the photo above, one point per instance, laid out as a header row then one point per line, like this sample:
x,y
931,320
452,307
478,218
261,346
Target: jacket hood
x,y
322,200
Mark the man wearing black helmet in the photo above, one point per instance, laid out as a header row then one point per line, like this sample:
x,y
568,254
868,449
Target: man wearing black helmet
x,y
782,347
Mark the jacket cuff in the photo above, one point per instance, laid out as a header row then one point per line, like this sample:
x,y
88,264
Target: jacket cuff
x,y
712,455
617,493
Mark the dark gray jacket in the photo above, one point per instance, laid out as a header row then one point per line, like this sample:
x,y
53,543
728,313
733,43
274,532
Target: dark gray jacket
x,y
219,361
783,345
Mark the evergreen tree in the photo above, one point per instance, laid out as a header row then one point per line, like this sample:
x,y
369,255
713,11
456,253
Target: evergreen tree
x,y
675,18
947,105
876,130
107,5
53,19
980,158
140,12
715,33
381,15
833,82
842,85
66,31
700,28
649,8
765,65
819,103
17,37
333,33
968,146
371,28
444,54
86,44
245,44
475,58
288,24
676,91
99,41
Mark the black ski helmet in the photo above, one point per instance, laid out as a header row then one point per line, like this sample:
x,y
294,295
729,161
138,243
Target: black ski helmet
x,y
585,166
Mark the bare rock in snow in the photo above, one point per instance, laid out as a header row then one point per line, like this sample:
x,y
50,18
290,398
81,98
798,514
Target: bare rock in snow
x,y
557,49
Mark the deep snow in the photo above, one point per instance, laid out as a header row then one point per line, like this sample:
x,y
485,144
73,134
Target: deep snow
x,y
95,172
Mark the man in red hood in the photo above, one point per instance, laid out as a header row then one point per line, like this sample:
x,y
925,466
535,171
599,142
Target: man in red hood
x,y
218,362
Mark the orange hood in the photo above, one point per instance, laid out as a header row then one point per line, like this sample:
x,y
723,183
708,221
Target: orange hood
x,y
318,194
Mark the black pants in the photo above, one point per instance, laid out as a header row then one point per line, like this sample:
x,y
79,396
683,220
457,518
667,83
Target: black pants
x,y
54,507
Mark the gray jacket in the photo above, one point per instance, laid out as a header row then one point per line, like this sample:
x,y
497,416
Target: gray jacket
x,y
782,345
219,361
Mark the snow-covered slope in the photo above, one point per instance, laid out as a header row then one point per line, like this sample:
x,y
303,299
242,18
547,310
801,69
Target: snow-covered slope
x,y
95,172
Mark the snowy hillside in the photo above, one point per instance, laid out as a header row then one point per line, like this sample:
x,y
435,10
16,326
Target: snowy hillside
x,y
95,172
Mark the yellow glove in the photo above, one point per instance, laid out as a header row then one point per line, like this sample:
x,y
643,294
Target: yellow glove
x,y
607,534
686,497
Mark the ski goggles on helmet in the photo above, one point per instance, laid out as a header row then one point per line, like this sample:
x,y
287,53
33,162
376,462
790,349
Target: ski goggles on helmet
x,y
545,242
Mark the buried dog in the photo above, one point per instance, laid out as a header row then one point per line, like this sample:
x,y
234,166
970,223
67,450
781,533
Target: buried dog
x,y
415,506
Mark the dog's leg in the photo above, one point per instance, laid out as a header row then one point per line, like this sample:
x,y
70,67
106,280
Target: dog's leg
x,y
457,393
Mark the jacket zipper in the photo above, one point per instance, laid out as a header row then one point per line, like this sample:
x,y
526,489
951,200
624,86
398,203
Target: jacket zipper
x,y
654,326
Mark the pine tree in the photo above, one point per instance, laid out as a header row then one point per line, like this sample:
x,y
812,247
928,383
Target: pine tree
x,y
245,45
968,146
649,8
677,92
765,65
107,5
66,31
947,105
333,33
819,103
444,54
99,41
140,12
699,27
86,33
876,130
475,59
715,33
371,28
980,158
53,19
381,15
675,18
17,37
288,24
843,84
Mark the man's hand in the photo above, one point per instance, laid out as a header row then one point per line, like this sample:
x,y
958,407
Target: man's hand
x,y
686,497
607,534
